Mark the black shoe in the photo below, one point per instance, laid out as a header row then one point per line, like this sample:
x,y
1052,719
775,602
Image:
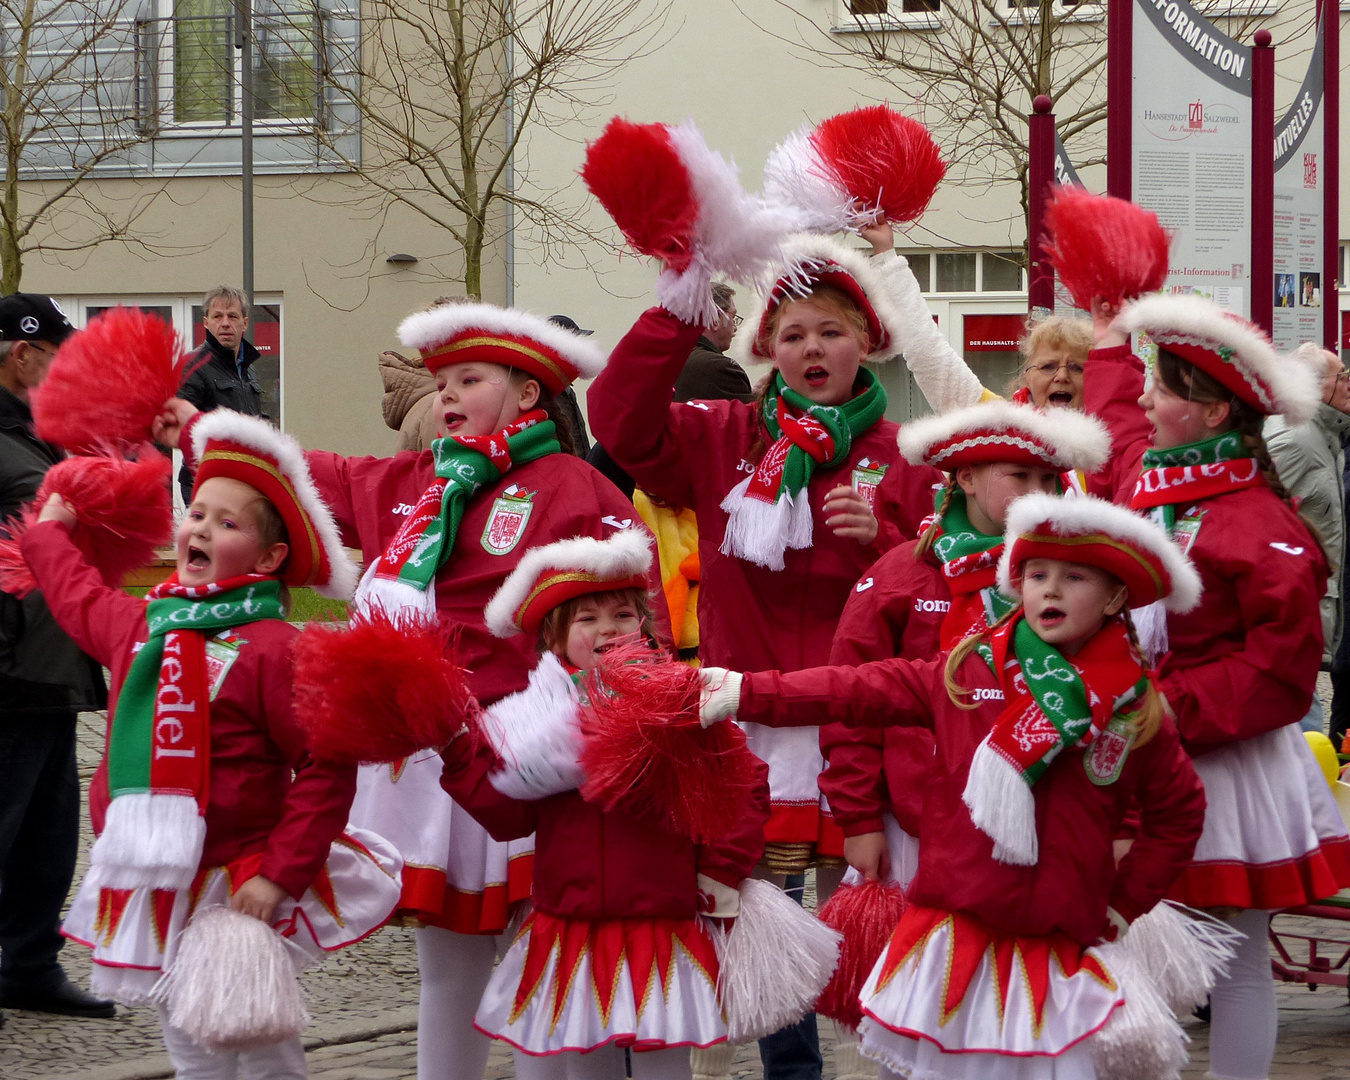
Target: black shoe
x,y
63,999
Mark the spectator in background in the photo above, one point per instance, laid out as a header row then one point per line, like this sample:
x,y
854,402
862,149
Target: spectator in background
x,y
1310,459
223,377
710,374
409,394
567,400
1053,354
44,681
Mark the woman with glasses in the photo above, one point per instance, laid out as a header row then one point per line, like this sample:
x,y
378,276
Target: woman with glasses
x,y
1053,354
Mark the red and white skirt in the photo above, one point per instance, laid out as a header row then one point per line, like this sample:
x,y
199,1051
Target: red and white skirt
x,y
577,985
134,932
798,812
455,875
950,994
1273,835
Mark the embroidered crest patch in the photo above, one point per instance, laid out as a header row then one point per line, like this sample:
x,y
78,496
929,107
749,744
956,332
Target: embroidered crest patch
x,y
506,524
222,651
1187,528
867,475
1106,757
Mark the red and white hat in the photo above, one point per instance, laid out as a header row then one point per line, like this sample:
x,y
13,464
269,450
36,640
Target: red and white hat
x,y
485,333
1002,431
1231,350
811,261
555,573
1097,533
249,449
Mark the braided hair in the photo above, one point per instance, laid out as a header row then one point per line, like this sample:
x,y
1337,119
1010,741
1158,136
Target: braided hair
x,y
929,536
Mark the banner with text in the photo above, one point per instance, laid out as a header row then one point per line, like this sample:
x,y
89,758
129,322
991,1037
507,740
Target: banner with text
x,y
1299,234
1192,135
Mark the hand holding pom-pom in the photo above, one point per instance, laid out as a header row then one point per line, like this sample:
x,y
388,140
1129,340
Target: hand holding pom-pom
x,y
719,696
55,509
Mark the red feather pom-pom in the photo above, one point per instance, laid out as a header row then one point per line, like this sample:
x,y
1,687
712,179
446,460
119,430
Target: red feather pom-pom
x,y
122,509
867,915
646,753
109,381
636,173
885,160
1104,247
380,690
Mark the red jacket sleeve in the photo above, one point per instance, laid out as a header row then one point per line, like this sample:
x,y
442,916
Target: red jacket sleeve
x,y
1171,805
630,410
732,858
875,695
468,761
332,476
102,621
1113,380
320,796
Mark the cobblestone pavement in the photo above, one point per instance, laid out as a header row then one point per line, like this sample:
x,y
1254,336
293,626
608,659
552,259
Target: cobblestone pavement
x,y
364,1007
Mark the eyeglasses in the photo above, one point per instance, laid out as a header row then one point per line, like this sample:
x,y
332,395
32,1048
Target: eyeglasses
x,y
1342,375
736,321
1051,367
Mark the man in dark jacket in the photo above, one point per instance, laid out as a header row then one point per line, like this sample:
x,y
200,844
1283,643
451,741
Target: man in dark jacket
x,y
223,377
710,374
44,681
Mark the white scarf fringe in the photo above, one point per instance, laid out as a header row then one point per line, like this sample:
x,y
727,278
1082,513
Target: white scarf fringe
x,y
395,598
537,734
149,839
1002,806
760,532
1150,626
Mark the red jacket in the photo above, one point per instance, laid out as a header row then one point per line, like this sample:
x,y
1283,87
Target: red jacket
x,y
1076,878
1245,661
895,610
254,802
693,454
1113,380
589,864
370,497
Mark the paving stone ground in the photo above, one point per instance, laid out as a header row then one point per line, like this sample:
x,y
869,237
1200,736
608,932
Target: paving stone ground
x,y
364,1007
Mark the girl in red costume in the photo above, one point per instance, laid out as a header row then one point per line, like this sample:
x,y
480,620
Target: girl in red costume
x,y
1048,730
207,793
440,530
614,953
1242,667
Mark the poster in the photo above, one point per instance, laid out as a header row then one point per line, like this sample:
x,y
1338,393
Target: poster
x,y
1192,134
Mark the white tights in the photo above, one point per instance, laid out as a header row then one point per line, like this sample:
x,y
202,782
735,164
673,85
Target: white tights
x,y
455,970
606,1063
1243,1017
280,1061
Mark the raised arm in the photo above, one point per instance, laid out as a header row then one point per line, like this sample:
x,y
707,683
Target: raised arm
x,y
1113,380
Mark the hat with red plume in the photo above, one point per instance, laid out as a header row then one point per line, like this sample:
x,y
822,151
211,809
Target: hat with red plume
x,y
252,451
555,573
1097,533
484,333
1231,350
1058,439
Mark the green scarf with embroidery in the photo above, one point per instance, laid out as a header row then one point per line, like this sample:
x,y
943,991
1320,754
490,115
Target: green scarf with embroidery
x,y
1178,475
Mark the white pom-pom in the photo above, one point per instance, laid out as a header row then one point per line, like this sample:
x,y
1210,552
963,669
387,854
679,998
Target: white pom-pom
x,y
537,735
232,985
1184,952
774,963
1002,806
1142,1038
795,177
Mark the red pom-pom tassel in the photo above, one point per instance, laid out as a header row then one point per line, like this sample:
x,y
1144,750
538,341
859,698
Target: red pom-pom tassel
x,y
866,915
636,173
885,160
1103,247
122,509
646,753
380,690
109,381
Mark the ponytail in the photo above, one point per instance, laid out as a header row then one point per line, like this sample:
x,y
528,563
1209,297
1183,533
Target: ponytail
x,y
929,536
1149,716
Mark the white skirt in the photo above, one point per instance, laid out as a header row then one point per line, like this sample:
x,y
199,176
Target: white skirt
x,y
798,812
455,875
134,932
950,991
1273,835
576,985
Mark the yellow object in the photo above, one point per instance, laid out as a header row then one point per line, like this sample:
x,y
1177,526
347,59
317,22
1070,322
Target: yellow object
x,y
676,532
1325,754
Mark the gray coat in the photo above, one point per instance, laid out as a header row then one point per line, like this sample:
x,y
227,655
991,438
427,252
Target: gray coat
x,y
1311,460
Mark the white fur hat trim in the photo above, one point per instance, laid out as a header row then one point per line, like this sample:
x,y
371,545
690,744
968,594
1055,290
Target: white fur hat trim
x,y
624,555
427,330
1084,514
1281,384
1075,440
805,257
253,431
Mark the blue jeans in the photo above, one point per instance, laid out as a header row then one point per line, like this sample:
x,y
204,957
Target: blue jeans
x,y
794,1052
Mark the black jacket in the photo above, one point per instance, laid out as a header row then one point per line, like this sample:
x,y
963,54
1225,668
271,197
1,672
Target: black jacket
x,y
215,383
41,670
711,375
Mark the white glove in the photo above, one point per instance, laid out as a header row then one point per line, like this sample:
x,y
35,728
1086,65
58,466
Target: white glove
x,y
717,901
720,696
1118,922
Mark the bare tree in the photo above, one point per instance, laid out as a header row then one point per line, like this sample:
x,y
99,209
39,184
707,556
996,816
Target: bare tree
x,y
71,113
447,88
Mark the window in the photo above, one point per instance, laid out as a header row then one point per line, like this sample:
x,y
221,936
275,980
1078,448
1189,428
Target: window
x,y
892,7
854,16
968,271
1023,11
956,271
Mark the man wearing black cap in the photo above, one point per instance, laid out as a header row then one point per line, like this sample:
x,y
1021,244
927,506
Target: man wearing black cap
x,y
44,681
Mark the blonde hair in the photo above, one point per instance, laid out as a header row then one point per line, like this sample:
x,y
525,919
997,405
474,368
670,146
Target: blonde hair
x,y
827,296
1060,331
929,537
1145,720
